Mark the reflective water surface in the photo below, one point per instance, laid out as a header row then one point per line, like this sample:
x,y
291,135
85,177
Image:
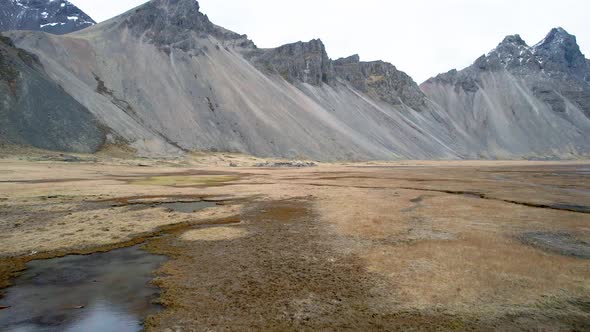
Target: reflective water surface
x,y
99,292
188,207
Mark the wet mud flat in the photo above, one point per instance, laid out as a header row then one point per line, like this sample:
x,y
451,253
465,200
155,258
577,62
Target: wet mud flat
x,y
187,207
174,206
99,292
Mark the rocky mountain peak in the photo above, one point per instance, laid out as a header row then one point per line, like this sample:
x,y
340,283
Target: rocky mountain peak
x,y
513,40
556,54
558,37
554,70
174,24
512,53
559,51
52,16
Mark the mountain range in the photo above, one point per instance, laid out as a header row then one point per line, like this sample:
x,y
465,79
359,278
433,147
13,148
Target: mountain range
x,y
163,79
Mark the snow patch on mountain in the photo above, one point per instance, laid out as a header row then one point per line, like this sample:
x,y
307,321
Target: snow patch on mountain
x,y
53,16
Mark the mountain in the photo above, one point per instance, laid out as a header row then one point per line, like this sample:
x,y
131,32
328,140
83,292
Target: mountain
x,y
53,16
166,79
36,111
163,79
520,99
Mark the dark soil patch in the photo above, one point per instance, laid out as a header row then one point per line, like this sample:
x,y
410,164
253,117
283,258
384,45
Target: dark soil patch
x,y
284,276
561,243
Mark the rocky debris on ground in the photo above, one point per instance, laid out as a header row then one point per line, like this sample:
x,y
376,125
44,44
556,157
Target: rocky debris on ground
x,y
66,158
287,164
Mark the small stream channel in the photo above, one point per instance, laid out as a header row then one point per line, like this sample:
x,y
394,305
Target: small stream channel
x,y
100,292
188,207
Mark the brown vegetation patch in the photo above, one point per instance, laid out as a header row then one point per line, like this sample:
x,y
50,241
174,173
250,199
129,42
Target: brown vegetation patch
x,y
214,234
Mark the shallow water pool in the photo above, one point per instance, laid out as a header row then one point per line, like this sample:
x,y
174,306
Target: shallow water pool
x,y
99,292
188,207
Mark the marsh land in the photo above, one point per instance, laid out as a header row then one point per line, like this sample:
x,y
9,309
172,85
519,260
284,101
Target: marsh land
x,y
448,245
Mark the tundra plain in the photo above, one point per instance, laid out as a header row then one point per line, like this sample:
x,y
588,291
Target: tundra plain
x,y
446,245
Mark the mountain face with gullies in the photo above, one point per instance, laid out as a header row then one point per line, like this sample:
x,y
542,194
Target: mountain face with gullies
x,y
520,99
163,79
52,16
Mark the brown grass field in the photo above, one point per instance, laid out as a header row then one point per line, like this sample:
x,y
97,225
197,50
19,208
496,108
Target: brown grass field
x,y
473,245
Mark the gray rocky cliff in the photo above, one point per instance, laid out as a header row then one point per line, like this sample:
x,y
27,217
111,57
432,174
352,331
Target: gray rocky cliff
x,y
305,62
173,24
308,62
560,55
380,80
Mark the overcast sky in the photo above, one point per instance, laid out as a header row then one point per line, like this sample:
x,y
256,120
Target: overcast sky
x,y
420,37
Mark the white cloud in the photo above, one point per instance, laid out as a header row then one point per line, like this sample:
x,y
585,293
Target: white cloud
x,y
421,37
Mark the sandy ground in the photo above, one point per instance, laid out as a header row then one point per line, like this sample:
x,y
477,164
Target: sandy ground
x,y
409,245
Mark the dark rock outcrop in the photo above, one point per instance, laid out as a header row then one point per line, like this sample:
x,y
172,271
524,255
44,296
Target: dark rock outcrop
x,y
298,62
308,62
52,16
512,54
380,80
173,24
36,111
566,72
560,55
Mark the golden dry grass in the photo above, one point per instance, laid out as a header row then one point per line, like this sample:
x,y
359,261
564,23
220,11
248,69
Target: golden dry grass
x,y
421,243
214,234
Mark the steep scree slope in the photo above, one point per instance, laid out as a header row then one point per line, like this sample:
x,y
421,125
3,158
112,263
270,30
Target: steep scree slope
x,y
164,78
36,111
